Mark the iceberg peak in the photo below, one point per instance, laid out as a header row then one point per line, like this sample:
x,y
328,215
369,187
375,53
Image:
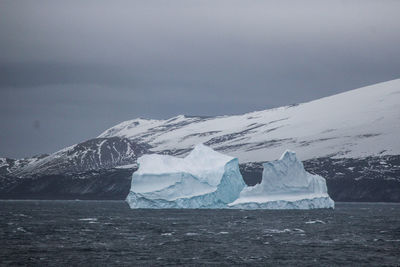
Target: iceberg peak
x,y
207,156
203,179
201,148
289,155
286,185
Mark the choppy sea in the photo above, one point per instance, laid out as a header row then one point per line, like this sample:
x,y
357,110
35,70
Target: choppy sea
x,y
108,233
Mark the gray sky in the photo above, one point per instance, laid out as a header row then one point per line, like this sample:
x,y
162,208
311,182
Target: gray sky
x,y
71,69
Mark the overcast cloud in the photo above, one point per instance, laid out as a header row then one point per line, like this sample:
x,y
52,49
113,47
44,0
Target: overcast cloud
x,y
71,69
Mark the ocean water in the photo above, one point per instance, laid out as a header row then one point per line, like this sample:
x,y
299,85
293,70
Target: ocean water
x,y
57,233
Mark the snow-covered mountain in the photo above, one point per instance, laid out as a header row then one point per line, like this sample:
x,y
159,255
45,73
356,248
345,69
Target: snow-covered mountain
x,y
348,138
94,154
8,166
358,123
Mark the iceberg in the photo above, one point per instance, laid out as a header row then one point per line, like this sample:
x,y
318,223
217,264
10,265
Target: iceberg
x,y
285,185
203,179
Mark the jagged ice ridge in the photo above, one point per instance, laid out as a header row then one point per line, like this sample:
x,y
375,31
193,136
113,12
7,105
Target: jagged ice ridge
x,y
285,185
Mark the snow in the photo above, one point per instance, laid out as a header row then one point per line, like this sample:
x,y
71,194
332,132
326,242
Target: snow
x,y
203,179
285,185
3,162
127,166
358,123
202,162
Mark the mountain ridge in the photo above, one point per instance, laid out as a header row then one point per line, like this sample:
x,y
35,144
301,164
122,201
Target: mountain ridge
x,y
346,138
239,134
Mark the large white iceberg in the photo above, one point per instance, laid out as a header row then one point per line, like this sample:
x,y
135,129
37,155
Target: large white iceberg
x,y
203,179
285,185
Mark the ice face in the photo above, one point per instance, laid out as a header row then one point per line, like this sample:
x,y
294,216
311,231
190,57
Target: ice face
x,y
203,179
208,179
285,185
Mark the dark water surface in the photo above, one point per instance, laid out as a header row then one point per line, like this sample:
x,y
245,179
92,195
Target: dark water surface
x,y
109,233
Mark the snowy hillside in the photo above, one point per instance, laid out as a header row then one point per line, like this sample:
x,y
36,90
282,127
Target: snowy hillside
x,y
94,154
358,123
351,139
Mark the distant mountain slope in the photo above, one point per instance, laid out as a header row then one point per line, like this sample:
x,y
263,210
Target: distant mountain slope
x,y
351,139
94,154
358,123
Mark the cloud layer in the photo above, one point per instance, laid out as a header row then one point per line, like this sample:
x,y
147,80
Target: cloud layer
x,y
75,68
